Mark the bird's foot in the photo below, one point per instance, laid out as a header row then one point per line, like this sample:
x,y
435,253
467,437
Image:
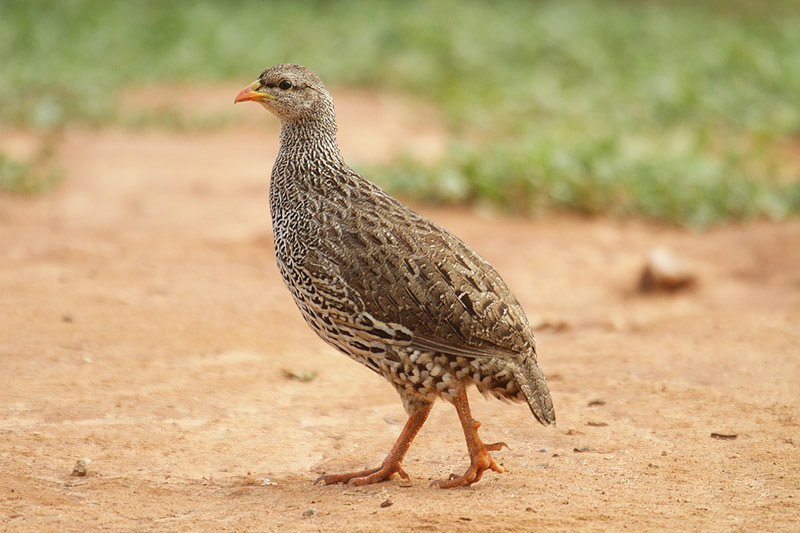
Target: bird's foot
x,y
480,462
366,477
390,468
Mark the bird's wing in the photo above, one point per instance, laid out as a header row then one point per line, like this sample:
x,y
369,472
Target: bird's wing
x,y
424,342
412,276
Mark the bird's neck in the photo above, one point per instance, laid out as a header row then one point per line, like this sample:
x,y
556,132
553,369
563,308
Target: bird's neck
x,y
310,145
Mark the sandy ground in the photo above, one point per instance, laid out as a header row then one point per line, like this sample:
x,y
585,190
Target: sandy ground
x,y
144,326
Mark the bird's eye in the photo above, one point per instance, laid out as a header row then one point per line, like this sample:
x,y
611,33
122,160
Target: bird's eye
x,y
285,85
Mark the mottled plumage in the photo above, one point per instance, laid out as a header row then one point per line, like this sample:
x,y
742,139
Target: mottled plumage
x,y
383,284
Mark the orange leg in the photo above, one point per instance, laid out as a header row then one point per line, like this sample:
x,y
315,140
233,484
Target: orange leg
x,y
479,457
391,465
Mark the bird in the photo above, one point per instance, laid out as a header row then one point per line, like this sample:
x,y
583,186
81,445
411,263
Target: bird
x,y
387,286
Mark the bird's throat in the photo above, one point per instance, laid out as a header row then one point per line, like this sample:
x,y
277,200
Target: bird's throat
x,y
309,146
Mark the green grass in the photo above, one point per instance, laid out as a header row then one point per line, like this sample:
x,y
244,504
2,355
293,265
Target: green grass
x,y
670,110
32,176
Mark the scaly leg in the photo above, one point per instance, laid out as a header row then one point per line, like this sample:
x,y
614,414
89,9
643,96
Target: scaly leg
x,y
391,465
480,460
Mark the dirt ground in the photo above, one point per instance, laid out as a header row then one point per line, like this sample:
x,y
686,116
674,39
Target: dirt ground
x,y
143,325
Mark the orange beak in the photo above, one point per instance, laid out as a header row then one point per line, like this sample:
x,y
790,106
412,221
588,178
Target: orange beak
x,y
251,93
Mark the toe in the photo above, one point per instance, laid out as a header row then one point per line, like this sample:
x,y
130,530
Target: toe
x,y
376,477
496,446
366,477
330,479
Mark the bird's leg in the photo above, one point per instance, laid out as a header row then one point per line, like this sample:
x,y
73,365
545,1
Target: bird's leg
x,y
391,465
479,457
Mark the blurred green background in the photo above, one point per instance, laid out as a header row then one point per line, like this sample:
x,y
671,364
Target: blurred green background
x,y
687,112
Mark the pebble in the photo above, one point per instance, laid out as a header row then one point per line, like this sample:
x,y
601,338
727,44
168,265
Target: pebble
x,y
664,272
81,467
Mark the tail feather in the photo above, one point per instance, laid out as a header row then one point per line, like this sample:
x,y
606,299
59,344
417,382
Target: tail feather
x,y
531,381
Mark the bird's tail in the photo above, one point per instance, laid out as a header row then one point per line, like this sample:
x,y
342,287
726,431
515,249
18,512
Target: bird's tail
x,y
530,379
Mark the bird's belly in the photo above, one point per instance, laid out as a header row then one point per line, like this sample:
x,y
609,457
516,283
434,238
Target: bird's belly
x,y
423,374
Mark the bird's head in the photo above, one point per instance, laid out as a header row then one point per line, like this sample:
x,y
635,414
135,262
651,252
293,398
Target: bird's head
x,y
291,92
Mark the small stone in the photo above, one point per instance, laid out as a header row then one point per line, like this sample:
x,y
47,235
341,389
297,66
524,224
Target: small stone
x,y
81,467
387,503
311,511
664,272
